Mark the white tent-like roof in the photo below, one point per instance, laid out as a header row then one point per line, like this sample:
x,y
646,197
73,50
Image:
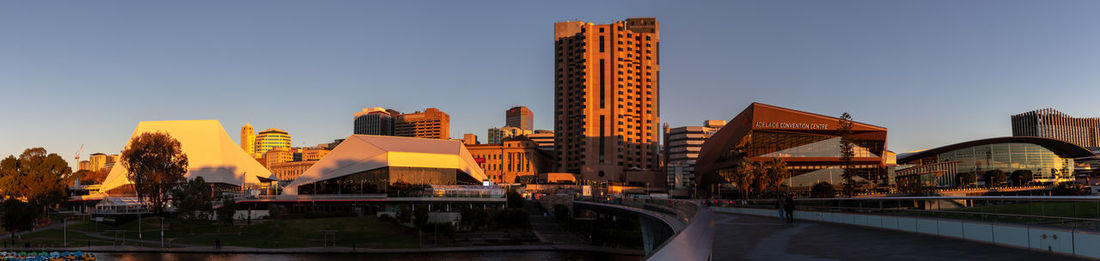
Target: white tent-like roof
x,y
211,154
360,153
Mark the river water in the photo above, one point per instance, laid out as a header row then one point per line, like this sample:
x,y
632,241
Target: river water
x,y
459,256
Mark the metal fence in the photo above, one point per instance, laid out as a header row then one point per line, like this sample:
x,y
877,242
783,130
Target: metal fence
x,y
1077,212
693,226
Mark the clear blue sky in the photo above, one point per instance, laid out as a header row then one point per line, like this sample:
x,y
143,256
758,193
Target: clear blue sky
x,y
933,72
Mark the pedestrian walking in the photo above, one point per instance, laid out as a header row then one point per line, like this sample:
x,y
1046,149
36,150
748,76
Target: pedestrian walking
x,y
779,209
788,205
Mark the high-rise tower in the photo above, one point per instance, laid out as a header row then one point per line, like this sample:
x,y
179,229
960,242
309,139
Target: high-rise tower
x,y
248,139
374,121
432,123
606,98
519,117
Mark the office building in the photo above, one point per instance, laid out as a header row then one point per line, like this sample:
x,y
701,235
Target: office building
x,y
499,135
277,155
248,139
519,117
545,140
432,124
374,121
314,153
291,170
504,163
85,165
809,144
469,139
98,161
271,138
606,119
682,145
1044,160
1051,123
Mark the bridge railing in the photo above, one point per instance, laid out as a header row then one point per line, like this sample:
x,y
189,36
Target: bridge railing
x,y
693,235
1076,212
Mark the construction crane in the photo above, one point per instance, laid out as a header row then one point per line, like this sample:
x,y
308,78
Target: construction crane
x,y
78,155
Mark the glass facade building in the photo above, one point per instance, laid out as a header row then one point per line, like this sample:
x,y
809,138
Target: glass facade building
x,y
392,181
809,144
1048,160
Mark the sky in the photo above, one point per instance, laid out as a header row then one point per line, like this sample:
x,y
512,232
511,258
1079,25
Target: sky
x,y
933,72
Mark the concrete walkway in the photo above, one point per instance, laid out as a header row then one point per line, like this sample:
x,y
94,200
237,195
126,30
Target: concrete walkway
x,y
743,237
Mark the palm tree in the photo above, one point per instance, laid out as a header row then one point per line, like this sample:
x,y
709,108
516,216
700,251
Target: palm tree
x,y
760,182
777,173
746,175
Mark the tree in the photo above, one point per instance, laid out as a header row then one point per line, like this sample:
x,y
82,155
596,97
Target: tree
x,y
156,165
822,190
777,173
1021,177
226,211
995,177
420,216
36,177
760,177
194,200
515,200
18,216
965,179
847,152
743,174
91,177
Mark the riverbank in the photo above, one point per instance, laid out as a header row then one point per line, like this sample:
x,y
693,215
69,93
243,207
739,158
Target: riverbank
x,y
340,250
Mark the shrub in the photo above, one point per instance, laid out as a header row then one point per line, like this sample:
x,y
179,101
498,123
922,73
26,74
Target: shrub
x,y
512,218
226,212
515,200
561,212
822,190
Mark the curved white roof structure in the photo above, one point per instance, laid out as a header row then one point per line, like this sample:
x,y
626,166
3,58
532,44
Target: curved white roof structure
x,y
211,154
360,153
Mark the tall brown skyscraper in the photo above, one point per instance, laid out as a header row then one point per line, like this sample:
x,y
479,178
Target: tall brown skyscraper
x,y
606,99
432,123
519,117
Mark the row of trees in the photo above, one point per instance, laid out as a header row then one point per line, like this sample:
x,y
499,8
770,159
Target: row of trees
x,y
757,177
30,184
996,177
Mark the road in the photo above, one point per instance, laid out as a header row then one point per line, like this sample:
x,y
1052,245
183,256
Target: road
x,y
743,237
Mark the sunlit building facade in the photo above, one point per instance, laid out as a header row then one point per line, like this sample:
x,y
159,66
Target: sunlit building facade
x,y
809,143
606,118
369,164
520,117
432,124
248,139
1051,123
504,163
373,121
271,138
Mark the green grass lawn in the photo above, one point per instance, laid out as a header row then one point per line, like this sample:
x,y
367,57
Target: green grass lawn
x,y
1002,213
363,232
1057,209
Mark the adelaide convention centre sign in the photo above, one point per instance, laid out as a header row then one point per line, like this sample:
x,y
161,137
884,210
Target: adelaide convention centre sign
x,y
792,125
